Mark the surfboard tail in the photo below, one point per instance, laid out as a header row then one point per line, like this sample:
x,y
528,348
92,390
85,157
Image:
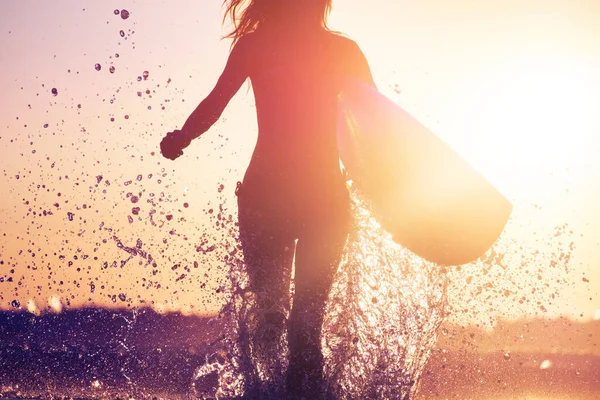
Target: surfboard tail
x,y
429,198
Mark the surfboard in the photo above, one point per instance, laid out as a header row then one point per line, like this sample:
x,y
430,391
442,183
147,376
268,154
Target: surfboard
x,y
420,190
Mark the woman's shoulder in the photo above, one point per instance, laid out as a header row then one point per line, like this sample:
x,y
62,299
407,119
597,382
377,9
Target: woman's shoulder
x,y
342,41
244,45
343,46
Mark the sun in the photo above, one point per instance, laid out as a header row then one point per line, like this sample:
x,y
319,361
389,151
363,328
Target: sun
x,y
534,116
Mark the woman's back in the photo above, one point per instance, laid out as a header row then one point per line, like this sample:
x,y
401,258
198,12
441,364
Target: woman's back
x,y
296,78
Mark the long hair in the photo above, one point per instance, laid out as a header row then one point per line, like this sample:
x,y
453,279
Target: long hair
x,y
248,15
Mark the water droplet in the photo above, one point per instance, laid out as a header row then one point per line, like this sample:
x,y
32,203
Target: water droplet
x,y
116,12
98,67
70,215
122,33
145,74
54,91
45,125
124,14
126,116
116,55
111,69
16,303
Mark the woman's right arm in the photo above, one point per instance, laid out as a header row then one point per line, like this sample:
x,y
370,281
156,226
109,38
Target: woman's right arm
x,y
211,108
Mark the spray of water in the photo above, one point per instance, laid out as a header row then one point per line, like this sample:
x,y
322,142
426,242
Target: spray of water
x,y
383,312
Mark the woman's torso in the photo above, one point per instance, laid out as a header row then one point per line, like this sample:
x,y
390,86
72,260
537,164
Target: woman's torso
x,y
296,79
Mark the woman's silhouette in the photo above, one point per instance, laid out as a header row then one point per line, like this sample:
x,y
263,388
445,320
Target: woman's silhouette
x,y
293,202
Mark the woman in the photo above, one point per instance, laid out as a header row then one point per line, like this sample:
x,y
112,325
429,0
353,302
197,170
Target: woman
x,y
293,202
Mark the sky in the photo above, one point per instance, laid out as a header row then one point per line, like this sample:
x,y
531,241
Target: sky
x,y
511,85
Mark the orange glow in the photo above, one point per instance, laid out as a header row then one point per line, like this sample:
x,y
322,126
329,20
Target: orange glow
x,y
513,87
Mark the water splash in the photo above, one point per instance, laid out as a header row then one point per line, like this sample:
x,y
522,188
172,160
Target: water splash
x,y
383,312
382,315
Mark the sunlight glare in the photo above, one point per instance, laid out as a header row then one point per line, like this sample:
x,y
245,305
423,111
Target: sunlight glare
x,y
55,304
32,307
537,113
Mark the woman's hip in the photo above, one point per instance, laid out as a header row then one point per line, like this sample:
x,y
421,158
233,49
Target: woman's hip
x,y
290,209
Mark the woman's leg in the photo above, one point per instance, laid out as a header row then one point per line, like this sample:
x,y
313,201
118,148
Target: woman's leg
x,y
268,251
318,254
